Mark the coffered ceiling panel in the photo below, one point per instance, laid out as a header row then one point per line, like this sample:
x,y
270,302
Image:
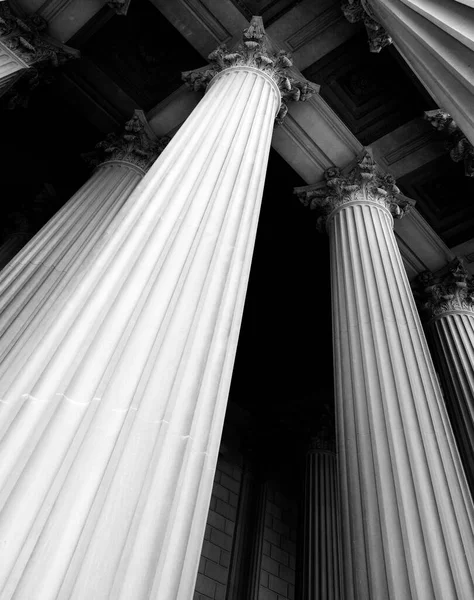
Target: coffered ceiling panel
x,y
370,92
444,197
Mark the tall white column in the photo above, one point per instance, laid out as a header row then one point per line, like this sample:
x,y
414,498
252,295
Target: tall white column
x,y
407,516
321,552
450,305
44,270
113,412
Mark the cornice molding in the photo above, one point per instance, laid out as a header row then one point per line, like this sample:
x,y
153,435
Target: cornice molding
x,y
459,147
254,52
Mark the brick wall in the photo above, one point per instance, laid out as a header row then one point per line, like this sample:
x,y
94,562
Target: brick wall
x,y
218,540
278,563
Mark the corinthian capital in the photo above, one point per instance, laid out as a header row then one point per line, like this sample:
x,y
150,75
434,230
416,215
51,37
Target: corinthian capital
x,y
361,181
27,39
254,51
137,144
459,147
451,291
360,10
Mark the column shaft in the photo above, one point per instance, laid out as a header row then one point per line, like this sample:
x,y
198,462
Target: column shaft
x,y
45,269
113,405
321,569
407,515
453,341
436,40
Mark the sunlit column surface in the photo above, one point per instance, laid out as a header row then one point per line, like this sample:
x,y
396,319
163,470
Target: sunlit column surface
x,y
407,516
113,409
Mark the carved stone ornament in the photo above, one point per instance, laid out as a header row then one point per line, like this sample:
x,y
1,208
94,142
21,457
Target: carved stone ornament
x,y
120,6
459,147
451,291
360,181
137,144
27,39
359,10
253,51
322,442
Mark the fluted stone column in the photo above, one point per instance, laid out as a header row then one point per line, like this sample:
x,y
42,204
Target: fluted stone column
x,y
321,552
113,412
28,55
407,516
44,270
449,302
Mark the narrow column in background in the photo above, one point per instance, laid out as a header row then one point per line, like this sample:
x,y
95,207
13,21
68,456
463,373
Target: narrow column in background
x,y
113,409
44,270
449,301
406,513
321,551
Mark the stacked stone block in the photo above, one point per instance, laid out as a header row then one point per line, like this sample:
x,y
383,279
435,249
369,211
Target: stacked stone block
x,y
277,575
211,583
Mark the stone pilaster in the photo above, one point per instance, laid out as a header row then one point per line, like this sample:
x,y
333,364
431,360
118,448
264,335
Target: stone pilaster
x,y
115,405
321,552
458,146
28,56
449,305
357,11
407,515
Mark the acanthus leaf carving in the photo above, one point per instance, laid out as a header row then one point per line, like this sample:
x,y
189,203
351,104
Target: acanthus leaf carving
x,y
359,10
458,146
120,6
448,291
136,144
362,181
253,51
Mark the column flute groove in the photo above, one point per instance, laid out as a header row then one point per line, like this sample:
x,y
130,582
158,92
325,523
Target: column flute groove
x,y
407,516
119,402
448,302
321,551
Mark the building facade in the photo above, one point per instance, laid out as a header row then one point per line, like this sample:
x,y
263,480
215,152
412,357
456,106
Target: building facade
x,y
236,300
